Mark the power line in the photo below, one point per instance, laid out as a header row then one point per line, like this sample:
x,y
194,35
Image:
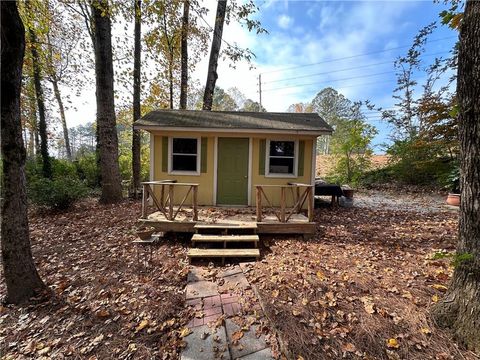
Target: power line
x,y
346,69
326,82
343,87
354,56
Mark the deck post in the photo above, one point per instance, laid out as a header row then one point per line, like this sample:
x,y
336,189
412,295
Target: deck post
x,y
299,207
310,203
282,205
258,203
144,199
162,195
195,209
170,195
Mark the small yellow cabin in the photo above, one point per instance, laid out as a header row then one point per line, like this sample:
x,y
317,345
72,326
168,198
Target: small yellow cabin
x,y
230,172
228,153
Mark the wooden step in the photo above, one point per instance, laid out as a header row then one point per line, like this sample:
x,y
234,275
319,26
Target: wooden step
x,y
222,253
222,238
250,225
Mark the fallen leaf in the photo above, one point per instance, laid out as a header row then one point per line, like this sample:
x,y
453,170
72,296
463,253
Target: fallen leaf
x,y
426,331
185,332
275,293
102,313
320,275
143,324
349,347
236,336
435,298
43,351
392,343
439,287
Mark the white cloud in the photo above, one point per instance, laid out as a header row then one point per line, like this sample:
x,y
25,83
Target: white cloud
x,y
284,21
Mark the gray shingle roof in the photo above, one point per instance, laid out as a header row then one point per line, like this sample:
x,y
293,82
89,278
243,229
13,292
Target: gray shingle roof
x,y
310,122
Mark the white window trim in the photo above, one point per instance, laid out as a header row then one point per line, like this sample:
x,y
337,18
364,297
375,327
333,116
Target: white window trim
x,y
170,156
295,160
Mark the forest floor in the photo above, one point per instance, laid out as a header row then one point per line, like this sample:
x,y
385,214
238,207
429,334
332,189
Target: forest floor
x,y
362,288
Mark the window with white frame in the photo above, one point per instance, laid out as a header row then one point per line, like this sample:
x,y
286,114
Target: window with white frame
x,y
281,157
184,155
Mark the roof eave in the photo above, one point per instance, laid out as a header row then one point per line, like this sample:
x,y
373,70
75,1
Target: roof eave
x,y
317,132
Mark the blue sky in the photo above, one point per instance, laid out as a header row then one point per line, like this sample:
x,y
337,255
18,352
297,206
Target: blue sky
x,y
305,32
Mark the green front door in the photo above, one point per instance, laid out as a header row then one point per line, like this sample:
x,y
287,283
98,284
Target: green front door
x,y
232,171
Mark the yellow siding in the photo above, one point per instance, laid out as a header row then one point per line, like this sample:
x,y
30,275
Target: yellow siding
x,y
273,194
206,180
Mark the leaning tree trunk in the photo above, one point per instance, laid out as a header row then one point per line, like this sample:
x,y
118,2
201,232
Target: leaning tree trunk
x,y
63,119
184,55
212,75
106,123
460,308
136,96
20,273
42,123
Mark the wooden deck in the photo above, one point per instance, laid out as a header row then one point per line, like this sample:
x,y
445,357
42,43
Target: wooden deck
x,y
229,217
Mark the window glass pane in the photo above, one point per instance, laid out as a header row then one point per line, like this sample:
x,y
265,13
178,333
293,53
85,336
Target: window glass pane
x,y
184,163
282,148
184,146
281,166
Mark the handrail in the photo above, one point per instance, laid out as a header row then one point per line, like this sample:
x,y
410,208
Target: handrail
x,y
166,207
299,199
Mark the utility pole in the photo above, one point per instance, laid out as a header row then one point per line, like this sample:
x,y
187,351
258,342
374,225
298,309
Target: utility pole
x,y
260,88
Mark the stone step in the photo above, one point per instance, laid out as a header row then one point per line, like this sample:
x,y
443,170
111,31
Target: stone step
x,y
222,253
224,238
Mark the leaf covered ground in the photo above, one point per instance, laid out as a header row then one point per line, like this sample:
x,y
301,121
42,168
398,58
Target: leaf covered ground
x,y
362,288
105,305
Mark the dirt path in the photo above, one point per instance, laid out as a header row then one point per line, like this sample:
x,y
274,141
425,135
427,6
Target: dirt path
x,y
383,200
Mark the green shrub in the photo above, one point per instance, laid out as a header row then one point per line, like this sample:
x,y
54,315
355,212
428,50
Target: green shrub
x,y
86,167
58,193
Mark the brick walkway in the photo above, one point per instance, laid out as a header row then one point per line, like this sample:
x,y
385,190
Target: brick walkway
x,y
226,320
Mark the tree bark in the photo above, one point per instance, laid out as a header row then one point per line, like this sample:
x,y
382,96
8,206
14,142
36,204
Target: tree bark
x,y
34,138
136,96
63,119
184,56
21,276
106,122
459,310
212,75
42,123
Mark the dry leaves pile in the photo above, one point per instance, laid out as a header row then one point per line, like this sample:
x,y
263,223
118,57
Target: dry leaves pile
x,y
363,287
104,304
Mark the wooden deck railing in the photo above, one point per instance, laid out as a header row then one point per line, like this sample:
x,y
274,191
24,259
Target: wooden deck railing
x,y
166,207
300,194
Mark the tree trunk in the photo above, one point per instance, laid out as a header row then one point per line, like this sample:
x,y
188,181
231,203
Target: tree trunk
x,y
212,75
58,97
106,123
460,309
170,77
184,55
32,106
20,273
42,123
136,97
